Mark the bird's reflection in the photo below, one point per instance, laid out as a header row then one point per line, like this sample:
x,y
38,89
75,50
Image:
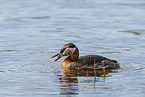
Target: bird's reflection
x,y
69,85
75,73
69,79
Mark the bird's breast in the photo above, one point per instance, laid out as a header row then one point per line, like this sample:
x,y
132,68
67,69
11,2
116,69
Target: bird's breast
x,y
65,64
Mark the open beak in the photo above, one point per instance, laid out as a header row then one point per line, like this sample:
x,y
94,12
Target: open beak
x,y
59,56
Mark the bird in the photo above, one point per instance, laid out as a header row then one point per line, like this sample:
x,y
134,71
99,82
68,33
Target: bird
x,y
88,62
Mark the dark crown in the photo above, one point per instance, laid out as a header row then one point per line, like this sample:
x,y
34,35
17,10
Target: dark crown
x,y
69,45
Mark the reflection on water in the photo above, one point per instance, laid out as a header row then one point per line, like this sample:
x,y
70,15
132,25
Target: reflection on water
x,y
69,84
76,73
7,50
24,19
135,32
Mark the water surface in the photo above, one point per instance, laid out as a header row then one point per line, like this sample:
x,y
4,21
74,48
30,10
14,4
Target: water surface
x,y
32,31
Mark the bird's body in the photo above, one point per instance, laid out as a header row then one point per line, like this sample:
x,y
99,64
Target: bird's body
x,y
73,61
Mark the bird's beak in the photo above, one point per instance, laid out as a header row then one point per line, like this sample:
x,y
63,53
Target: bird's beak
x,y
59,56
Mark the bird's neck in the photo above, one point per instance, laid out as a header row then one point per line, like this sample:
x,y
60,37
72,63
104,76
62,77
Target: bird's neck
x,y
66,62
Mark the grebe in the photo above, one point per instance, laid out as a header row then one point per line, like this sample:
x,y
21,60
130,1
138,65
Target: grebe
x,y
73,61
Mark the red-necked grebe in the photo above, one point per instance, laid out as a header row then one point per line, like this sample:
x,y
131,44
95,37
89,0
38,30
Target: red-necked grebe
x,y
73,61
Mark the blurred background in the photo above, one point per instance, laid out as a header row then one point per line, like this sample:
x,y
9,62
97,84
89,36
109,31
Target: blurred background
x,y
32,31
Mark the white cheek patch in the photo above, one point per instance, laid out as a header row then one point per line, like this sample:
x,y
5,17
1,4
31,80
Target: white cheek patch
x,y
69,51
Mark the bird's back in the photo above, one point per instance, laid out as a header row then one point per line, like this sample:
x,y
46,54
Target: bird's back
x,y
91,61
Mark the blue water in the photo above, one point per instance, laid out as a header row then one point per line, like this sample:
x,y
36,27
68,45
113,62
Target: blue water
x,y
32,31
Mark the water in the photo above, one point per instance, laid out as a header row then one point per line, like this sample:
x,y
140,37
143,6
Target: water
x,y
32,31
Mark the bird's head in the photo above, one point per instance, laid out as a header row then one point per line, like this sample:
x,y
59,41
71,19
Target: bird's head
x,y
66,50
